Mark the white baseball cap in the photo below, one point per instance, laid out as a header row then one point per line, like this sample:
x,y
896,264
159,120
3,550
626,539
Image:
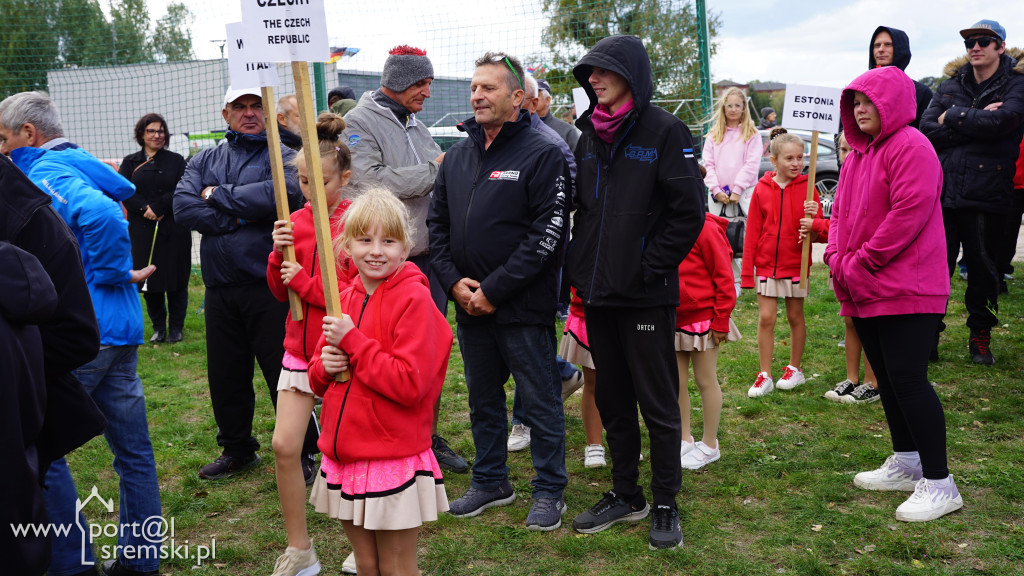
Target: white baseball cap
x,y
231,95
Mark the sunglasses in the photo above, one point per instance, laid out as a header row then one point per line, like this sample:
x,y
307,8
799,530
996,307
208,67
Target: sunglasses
x,y
984,41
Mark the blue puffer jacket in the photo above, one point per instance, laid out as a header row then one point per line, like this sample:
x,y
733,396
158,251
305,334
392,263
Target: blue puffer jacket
x,y
86,193
237,221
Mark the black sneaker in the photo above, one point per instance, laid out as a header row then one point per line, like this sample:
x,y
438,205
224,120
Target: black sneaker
x,y
115,568
158,336
226,466
174,335
475,501
308,462
842,389
863,394
978,346
610,510
446,457
665,530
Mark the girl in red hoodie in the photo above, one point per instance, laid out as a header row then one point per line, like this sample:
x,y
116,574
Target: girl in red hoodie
x,y
293,428
706,298
378,474
772,249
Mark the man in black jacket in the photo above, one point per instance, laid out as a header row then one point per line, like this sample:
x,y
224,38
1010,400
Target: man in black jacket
x,y
975,121
638,212
891,47
496,224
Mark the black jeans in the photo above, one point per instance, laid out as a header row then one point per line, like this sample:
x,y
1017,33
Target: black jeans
x,y
1010,232
177,302
979,233
898,352
634,354
244,323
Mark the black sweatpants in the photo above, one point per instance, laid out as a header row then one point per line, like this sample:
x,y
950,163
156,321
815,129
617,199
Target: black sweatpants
x,y
244,323
897,348
979,233
634,354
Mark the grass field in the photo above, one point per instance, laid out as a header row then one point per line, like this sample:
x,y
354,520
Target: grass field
x,y
780,501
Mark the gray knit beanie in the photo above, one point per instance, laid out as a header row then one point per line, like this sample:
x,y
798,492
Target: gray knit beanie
x,y
404,67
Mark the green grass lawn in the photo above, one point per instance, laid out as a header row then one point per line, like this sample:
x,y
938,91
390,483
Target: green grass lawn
x,y
780,501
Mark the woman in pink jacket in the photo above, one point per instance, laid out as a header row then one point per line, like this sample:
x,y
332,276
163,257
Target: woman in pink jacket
x,y
732,157
886,249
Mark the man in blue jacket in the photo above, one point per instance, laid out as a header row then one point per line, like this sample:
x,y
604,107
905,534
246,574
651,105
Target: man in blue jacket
x,y
86,194
496,223
227,195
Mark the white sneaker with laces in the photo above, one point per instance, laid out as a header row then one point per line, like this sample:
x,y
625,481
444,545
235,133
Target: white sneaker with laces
x,y
762,385
297,562
791,378
893,475
931,499
519,438
701,455
571,384
593,456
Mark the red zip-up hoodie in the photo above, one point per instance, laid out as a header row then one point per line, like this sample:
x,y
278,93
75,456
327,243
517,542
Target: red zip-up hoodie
x,y
771,243
398,357
300,337
706,282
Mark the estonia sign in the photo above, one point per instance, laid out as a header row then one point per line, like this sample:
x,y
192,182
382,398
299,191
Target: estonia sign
x,y
811,108
286,30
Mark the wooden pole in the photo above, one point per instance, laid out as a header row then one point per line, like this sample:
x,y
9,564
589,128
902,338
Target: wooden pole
x,y
805,252
317,197
280,190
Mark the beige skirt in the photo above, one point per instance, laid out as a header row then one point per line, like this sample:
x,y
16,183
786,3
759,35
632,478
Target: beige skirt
x,y
691,342
573,352
294,381
780,288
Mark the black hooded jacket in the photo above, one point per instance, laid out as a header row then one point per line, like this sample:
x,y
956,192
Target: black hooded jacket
x,y
901,59
639,200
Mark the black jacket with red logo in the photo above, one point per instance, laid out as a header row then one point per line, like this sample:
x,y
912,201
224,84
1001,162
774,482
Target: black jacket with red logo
x,y
499,216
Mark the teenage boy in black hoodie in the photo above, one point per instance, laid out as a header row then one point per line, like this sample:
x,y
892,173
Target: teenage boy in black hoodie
x,y
639,209
891,47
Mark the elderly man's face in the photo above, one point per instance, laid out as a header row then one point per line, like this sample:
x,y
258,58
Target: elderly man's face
x,y
13,139
290,116
245,114
492,102
414,96
543,104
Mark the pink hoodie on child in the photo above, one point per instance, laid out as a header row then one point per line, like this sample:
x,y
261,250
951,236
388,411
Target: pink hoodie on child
x,y
886,244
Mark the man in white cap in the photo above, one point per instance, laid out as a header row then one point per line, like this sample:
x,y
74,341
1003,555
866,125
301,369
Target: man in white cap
x,y
227,195
975,122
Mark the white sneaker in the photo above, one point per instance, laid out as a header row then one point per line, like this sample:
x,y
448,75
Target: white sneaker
x,y
349,566
791,378
519,438
571,384
931,499
297,562
685,448
700,455
762,385
893,475
593,456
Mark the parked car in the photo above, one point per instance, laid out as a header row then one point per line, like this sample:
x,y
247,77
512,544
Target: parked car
x,y
826,176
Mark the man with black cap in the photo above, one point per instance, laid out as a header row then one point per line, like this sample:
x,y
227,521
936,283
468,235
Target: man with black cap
x,y
227,194
567,131
976,122
391,148
639,210
767,118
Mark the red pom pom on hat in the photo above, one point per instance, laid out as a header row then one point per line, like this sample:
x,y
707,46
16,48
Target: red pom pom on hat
x,y
406,50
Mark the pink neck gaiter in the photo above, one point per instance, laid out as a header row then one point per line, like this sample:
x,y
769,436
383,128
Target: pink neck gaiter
x,y
605,123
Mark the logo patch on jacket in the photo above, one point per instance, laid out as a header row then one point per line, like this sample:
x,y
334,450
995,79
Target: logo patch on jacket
x,y
688,152
512,175
353,140
634,152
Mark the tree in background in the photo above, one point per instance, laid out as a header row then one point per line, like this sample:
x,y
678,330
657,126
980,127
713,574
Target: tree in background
x,y
41,35
667,28
172,39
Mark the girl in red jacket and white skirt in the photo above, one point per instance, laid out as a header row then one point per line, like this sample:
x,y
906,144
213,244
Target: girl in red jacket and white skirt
x,y
771,252
703,323
295,400
378,474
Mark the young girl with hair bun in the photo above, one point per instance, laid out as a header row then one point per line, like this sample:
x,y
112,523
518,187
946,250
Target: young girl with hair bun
x,y
771,256
295,399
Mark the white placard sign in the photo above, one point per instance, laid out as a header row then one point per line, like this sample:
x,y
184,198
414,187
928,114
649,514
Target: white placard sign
x,y
581,100
811,108
244,72
286,30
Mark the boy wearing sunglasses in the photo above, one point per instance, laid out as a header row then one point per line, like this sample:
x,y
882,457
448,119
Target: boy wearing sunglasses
x,y
976,122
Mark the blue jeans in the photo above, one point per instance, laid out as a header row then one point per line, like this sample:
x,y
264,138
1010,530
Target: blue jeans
x,y
490,352
114,385
565,371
